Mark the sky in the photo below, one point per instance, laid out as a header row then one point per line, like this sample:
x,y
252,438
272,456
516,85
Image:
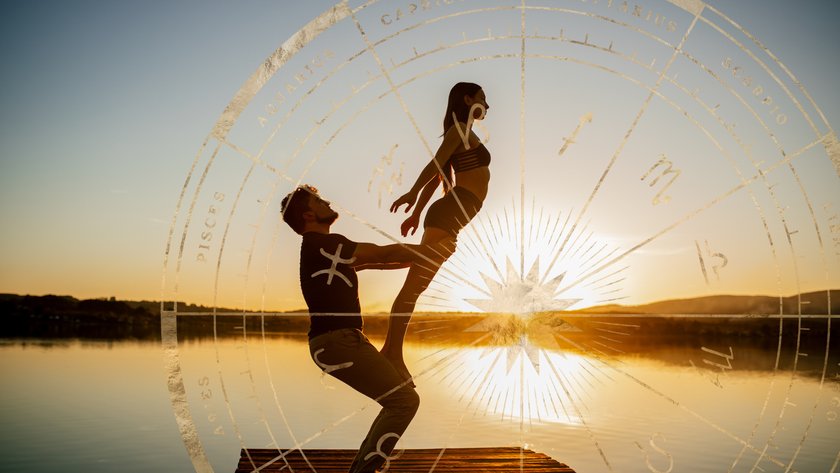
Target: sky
x,y
105,105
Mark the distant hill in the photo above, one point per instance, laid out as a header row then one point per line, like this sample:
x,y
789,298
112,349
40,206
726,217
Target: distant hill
x,y
813,303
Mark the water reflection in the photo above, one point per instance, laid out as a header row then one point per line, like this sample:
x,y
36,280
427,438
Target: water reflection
x,y
585,404
504,382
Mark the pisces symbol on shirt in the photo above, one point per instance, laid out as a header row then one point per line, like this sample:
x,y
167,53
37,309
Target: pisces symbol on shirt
x,y
332,271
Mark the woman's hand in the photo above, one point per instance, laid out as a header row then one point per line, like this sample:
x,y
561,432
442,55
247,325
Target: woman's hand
x,y
408,198
411,223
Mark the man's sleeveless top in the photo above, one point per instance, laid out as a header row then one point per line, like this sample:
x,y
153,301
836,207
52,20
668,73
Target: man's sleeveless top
x,y
328,282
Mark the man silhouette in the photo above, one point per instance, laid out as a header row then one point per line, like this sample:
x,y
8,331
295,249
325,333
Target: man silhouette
x,y
328,265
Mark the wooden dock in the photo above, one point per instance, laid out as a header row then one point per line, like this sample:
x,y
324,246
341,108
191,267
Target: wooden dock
x,y
423,460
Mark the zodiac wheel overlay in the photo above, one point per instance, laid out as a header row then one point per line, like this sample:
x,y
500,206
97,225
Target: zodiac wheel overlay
x,y
642,151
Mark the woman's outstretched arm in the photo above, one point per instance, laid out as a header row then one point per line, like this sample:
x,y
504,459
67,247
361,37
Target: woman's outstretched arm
x,y
412,222
451,140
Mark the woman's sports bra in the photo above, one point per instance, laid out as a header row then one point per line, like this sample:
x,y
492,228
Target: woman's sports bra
x,y
473,158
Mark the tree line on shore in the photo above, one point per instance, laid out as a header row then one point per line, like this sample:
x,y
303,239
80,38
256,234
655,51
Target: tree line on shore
x,y
54,316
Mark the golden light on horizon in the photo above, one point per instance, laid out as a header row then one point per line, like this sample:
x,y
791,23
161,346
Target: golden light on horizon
x,y
537,262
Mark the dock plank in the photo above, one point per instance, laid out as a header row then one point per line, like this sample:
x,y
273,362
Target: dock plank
x,y
419,460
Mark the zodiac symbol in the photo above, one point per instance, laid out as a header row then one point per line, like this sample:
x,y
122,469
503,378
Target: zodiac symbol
x,y
465,133
335,260
571,139
658,449
723,368
329,368
383,454
394,180
663,161
724,260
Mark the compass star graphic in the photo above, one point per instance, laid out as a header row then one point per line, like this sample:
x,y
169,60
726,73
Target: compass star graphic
x,y
520,311
522,371
523,309
518,295
705,152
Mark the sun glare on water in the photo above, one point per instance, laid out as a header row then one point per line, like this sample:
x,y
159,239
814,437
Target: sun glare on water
x,y
536,387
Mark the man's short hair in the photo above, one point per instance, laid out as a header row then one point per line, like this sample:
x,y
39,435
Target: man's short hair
x,y
295,204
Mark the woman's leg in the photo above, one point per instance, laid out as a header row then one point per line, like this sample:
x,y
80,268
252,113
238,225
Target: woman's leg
x,y
440,245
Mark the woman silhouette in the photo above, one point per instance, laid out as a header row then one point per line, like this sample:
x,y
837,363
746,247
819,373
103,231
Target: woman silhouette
x,y
462,152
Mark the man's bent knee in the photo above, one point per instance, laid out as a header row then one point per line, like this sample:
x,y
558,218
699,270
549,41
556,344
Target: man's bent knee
x,y
404,398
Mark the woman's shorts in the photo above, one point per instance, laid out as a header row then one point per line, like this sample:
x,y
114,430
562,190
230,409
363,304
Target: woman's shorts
x,y
447,215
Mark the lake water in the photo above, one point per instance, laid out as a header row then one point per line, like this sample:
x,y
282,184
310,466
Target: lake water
x,y
88,406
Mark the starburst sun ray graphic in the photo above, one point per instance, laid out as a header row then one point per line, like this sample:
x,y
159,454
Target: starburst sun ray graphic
x,y
522,371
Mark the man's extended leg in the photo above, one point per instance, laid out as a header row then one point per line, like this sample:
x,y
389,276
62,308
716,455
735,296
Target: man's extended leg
x,y
348,355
